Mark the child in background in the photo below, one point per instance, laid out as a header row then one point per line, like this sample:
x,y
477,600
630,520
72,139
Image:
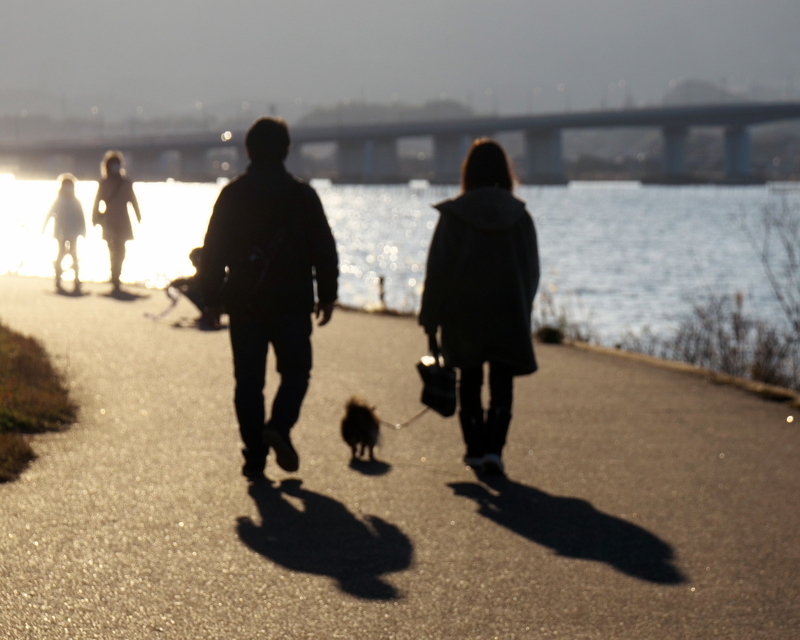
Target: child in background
x,y
69,224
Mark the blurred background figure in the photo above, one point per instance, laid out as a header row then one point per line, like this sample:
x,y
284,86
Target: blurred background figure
x,y
190,286
110,211
69,224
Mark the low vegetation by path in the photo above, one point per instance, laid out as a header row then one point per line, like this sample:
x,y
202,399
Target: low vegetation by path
x,y
33,399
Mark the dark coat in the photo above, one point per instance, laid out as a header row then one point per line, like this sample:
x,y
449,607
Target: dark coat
x,y
269,209
482,275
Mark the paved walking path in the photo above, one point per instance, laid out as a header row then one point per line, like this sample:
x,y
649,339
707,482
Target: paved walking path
x,y
642,502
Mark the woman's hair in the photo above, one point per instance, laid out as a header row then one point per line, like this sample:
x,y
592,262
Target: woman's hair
x,y
109,157
486,165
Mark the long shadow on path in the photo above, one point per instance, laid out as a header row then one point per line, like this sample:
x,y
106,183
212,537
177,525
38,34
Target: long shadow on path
x,y
126,296
573,528
324,538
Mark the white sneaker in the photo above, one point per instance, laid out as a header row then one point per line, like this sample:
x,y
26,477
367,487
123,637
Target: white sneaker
x,y
493,465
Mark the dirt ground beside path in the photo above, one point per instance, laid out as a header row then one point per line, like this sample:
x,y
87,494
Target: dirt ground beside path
x,y
641,503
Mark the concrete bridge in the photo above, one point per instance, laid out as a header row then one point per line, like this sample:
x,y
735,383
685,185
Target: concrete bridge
x,y
368,153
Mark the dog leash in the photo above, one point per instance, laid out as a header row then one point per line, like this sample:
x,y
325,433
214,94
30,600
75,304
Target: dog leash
x,y
407,422
174,297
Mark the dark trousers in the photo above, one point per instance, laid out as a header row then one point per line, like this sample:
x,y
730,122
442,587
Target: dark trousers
x,y
485,434
290,336
116,251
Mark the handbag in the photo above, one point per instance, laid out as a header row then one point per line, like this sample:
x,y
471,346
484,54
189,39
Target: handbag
x,y
438,385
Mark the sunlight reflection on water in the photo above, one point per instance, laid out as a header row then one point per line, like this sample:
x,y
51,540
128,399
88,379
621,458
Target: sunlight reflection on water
x,y
628,255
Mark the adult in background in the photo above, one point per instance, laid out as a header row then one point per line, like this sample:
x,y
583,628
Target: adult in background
x,y
110,211
269,231
69,224
481,278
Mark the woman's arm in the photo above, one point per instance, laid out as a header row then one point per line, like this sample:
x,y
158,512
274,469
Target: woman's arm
x,y
438,274
134,203
96,206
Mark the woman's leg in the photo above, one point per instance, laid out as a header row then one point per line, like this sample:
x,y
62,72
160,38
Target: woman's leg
x,y
116,251
501,387
471,412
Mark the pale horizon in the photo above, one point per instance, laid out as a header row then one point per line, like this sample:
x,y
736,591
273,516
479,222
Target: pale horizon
x,y
150,59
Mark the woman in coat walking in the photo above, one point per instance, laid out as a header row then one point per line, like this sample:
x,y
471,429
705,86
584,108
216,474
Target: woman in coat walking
x,y
110,211
481,278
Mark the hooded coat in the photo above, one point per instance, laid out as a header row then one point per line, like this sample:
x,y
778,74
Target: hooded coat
x,y
481,278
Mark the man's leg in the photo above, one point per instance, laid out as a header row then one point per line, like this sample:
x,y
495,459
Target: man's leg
x,y
249,343
291,339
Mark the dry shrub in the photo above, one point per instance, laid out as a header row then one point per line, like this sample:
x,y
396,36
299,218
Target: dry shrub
x,y
719,335
565,319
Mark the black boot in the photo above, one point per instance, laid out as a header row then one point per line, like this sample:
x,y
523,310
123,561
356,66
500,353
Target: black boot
x,y
498,420
472,429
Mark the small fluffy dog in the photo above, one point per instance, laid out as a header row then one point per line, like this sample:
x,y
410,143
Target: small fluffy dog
x,y
360,428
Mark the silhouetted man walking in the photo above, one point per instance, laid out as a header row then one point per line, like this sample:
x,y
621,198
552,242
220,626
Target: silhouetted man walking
x,y
267,241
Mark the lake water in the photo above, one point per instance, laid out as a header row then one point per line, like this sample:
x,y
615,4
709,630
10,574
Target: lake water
x,y
620,255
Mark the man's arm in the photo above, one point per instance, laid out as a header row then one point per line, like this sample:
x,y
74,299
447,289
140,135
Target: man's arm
x,y
323,257
213,258
323,313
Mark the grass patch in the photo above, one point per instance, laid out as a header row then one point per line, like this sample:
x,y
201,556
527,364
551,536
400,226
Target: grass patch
x,y
33,399
15,454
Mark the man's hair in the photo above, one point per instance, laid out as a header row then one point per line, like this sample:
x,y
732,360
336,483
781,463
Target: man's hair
x,y
267,140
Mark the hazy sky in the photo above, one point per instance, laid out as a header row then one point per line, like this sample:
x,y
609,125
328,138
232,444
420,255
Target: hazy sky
x,y
165,55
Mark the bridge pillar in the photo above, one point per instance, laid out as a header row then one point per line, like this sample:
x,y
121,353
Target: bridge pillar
x,y
543,157
351,160
674,155
384,166
369,161
194,165
449,151
737,153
